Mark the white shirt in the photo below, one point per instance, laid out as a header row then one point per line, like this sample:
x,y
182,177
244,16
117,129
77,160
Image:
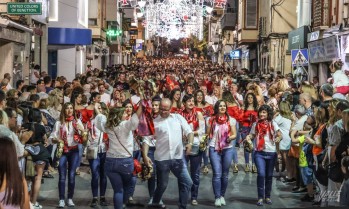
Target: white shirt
x,y
269,144
56,132
340,79
149,140
33,78
284,125
212,143
95,137
209,99
298,126
135,99
4,131
105,98
168,136
119,134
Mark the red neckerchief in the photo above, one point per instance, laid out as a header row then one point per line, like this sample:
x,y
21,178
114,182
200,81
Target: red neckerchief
x,y
191,117
147,109
263,127
64,135
223,133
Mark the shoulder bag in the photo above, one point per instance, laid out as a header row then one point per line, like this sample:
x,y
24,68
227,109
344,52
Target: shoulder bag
x,y
92,151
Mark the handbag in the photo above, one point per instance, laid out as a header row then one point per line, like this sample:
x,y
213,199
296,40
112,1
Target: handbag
x,y
137,167
335,172
92,151
294,151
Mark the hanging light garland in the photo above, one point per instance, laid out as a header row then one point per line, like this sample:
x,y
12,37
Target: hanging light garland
x,y
174,19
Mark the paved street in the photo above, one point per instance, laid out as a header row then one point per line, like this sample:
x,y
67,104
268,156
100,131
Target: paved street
x,y
241,193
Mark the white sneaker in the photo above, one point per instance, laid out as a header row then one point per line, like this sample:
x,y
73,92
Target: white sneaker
x,y
71,203
61,204
150,201
223,201
218,202
37,206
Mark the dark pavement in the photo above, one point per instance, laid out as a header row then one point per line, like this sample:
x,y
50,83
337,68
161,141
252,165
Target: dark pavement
x,y
241,192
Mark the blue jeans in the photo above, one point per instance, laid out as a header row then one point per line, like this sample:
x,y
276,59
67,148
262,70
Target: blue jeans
x,y
119,172
245,130
136,155
195,166
237,140
98,175
220,163
205,157
185,183
81,152
152,180
265,162
72,158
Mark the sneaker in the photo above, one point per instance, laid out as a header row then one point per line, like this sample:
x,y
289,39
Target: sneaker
x,y
254,169
235,169
300,190
150,201
205,170
307,198
194,202
103,201
37,206
218,202
70,203
268,201
223,201
288,180
61,204
247,168
94,202
260,202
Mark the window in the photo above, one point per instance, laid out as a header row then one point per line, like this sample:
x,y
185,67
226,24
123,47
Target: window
x,y
92,21
251,14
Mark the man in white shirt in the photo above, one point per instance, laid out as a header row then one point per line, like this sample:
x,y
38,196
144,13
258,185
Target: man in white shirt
x,y
105,98
169,153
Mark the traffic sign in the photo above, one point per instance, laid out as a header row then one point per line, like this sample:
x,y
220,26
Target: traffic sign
x,y
227,58
14,8
300,57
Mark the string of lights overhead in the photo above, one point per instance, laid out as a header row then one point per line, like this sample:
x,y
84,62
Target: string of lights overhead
x,y
173,19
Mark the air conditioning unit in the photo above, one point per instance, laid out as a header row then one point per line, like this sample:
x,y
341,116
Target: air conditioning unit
x,y
262,27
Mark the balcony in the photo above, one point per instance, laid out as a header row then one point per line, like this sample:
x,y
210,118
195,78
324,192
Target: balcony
x,y
229,21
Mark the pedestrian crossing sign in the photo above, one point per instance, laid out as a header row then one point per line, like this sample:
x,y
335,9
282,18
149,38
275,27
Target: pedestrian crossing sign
x,y
300,57
227,58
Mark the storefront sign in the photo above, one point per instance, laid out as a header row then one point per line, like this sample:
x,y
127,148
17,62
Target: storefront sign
x,y
324,50
297,38
314,36
24,8
235,54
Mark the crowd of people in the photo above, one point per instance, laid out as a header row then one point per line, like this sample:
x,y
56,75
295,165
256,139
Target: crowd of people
x,y
164,115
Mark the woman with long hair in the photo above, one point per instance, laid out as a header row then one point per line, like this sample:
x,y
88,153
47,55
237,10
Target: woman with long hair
x,y
13,187
235,112
283,118
249,116
116,99
201,105
221,130
267,135
38,140
175,97
207,110
55,101
119,164
196,121
69,132
98,139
